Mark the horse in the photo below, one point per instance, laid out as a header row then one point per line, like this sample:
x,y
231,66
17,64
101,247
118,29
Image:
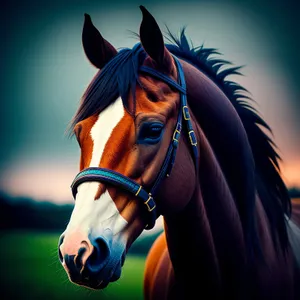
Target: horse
x,y
164,132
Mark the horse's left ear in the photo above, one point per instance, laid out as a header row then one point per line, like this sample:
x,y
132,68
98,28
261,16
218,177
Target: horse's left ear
x,y
98,50
153,42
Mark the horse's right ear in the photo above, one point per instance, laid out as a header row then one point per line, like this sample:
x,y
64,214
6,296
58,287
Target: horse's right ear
x,y
98,50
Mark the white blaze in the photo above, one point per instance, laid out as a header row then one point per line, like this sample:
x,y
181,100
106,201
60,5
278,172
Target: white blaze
x,y
102,129
96,216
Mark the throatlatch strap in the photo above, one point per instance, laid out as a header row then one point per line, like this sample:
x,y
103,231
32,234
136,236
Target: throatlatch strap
x,y
186,114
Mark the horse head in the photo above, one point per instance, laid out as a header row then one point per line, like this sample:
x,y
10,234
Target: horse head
x,y
128,148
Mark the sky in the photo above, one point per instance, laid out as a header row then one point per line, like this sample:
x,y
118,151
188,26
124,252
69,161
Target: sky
x,y
45,72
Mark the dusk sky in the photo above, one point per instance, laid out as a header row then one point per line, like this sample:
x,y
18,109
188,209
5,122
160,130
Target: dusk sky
x,y
45,72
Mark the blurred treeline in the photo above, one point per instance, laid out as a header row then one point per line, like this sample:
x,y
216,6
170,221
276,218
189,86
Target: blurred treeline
x,y
26,214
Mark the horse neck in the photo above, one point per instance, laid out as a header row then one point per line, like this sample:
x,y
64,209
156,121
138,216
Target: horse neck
x,y
207,235
218,230
210,233
227,137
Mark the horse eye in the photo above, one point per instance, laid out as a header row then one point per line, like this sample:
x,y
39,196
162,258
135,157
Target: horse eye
x,y
150,133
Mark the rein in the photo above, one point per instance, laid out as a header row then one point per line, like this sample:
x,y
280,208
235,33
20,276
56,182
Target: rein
x,y
111,177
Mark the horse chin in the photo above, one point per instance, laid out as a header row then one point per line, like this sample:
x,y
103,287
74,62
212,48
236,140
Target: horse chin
x,y
103,283
99,283
113,275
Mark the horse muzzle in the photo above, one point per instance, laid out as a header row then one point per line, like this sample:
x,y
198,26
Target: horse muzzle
x,y
92,262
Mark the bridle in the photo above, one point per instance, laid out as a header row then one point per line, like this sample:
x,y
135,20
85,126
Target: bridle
x,y
120,181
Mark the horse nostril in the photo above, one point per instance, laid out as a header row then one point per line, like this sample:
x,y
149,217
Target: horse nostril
x,y
99,255
60,241
78,257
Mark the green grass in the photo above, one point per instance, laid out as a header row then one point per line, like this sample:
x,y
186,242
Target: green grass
x,y
30,270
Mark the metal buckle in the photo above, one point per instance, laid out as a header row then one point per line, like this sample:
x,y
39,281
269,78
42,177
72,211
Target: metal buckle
x,y
185,113
146,203
191,140
174,134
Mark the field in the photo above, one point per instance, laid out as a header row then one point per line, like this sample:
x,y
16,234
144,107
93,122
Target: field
x,y
30,270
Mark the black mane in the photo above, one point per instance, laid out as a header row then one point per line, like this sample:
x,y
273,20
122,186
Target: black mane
x,y
270,186
120,76
117,78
